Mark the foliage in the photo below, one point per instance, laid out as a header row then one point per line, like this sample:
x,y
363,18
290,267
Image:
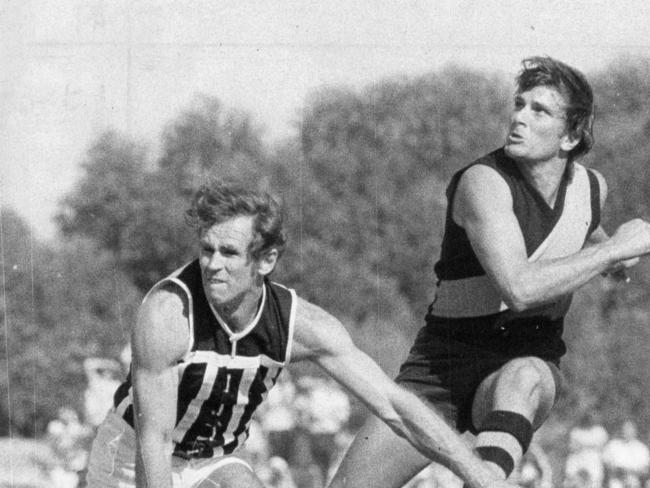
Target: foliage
x,y
607,330
363,187
135,211
59,306
384,156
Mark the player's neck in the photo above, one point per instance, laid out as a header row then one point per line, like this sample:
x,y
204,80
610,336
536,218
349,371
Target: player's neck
x,y
544,176
239,313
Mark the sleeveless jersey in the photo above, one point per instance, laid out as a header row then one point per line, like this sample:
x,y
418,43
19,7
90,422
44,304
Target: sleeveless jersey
x,y
224,376
464,292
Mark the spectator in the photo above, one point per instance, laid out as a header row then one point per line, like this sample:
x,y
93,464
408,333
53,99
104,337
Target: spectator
x,y
627,459
534,470
125,358
103,376
276,474
278,418
582,479
305,471
324,410
342,442
256,449
70,440
584,464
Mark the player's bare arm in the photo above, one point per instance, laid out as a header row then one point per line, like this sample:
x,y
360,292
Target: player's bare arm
x,y
483,207
160,338
321,338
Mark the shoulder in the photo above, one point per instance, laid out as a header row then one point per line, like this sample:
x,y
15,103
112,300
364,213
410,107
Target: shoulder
x,y
161,331
492,168
494,161
481,188
166,302
479,174
317,332
601,183
282,301
280,291
308,312
593,173
313,324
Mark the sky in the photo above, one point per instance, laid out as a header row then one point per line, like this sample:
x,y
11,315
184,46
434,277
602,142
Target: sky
x,y
71,69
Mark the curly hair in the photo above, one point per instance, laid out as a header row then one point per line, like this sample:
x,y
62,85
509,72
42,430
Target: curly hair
x,y
574,87
220,200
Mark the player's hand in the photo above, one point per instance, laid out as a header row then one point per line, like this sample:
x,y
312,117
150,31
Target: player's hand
x,y
620,276
631,240
617,272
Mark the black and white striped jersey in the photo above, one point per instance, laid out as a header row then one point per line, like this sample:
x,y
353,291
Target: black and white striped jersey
x,y
225,375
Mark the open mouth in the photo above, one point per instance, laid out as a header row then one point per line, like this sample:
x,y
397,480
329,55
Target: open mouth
x,y
214,281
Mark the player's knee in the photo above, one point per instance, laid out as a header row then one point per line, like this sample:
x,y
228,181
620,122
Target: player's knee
x,y
232,476
524,376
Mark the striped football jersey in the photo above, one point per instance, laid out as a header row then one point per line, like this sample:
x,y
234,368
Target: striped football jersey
x,y
224,376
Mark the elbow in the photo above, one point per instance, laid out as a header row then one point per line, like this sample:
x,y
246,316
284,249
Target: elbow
x,y
517,304
519,298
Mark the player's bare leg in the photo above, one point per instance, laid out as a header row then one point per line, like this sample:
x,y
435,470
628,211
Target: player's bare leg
x,y
232,475
379,458
508,406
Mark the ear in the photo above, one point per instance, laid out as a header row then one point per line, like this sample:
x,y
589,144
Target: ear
x,y
267,262
569,141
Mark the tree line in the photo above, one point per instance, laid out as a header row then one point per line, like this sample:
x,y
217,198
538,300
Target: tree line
x,y
363,182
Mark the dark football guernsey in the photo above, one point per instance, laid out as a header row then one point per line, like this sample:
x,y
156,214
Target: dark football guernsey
x,y
469,331
464,293
224,376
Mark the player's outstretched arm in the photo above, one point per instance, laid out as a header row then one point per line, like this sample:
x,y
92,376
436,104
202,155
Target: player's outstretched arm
x,y
483,207
159,339
322,339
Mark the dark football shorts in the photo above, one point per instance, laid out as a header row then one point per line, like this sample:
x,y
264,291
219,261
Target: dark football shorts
x,y
446,368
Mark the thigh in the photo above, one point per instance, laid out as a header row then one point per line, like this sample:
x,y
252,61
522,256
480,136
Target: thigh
x,y
379,458
230,475
502,391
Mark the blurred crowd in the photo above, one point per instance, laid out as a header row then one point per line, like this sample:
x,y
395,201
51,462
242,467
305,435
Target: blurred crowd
x,y
298,435
594,460
597,460
303,429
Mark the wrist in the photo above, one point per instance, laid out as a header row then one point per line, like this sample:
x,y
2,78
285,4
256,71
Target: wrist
x,y
607,255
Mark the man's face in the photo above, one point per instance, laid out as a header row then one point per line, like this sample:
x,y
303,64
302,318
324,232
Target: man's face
x,y
228,270
538,129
